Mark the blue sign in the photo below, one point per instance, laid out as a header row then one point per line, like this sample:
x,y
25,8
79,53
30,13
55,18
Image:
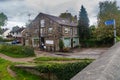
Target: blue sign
x,y
110,22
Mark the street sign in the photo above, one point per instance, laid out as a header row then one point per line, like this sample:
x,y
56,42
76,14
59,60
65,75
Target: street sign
x,y
110,22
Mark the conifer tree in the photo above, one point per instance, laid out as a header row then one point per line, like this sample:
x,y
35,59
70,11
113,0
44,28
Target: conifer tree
x,y
83,24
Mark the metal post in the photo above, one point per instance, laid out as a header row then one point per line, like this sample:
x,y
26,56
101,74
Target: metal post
x,y
114,31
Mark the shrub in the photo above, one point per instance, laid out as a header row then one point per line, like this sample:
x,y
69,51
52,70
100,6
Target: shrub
x,y
5,40
16,51
61,44
66,49
96,43
63,71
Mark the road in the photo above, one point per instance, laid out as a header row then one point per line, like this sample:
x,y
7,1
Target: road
x,y
92,53
85,53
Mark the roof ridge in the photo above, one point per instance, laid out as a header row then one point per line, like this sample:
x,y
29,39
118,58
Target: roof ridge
x,y
52,15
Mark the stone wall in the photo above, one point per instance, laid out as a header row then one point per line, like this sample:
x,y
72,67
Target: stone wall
x,y
107,67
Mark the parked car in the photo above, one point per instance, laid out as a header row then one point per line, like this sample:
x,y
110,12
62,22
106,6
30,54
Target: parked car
x,y
15,42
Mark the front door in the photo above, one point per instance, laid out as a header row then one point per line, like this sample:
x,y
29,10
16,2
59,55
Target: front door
x,y
42,43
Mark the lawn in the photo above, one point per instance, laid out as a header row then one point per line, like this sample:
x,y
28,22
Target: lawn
x,y
58,60
21,74
24,75
4,75
55,59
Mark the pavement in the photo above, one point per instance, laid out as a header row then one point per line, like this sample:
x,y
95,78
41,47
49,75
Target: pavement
x,y
107,67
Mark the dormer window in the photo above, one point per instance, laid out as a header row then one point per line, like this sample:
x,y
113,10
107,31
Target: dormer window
x,y
42,22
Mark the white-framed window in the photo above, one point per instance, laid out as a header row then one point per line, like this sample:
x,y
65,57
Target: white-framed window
x,y
41,31
75,31
71,31
66,30
50,30
42,22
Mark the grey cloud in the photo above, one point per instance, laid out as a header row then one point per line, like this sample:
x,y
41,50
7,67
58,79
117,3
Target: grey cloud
x,y
14,9
18,10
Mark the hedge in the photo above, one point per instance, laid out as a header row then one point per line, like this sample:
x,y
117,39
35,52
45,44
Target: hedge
x,y
16,51
63,71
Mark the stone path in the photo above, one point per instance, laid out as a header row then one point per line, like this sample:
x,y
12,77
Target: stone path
x,y
87,53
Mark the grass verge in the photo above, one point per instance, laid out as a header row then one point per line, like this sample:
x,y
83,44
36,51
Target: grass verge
x,y
24,75
57,59
4,75
20,74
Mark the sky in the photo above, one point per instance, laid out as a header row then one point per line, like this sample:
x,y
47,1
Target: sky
x,y
17,10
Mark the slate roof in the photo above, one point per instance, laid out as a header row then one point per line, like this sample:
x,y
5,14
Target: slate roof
x,y
59,20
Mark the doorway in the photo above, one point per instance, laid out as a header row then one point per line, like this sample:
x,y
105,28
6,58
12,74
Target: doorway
x,y
72,43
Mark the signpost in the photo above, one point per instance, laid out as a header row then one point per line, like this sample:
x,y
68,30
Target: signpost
x,y
112,22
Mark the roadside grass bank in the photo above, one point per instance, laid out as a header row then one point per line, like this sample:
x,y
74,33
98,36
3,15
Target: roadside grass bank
x,y
20,74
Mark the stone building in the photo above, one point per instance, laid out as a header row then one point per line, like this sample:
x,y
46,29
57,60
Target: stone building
x,y
46,30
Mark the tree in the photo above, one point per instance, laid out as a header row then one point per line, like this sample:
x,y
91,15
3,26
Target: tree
x,y
107,10
15,28
92,29
68,16
83,24
3,19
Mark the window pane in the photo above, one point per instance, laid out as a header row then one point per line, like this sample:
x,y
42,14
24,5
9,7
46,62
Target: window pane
x,y
50,30
66,30
42,23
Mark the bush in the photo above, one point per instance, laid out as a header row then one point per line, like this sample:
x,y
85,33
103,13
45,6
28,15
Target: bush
x,y
66,49
61,44
16,51
63,71
107,42
5,40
